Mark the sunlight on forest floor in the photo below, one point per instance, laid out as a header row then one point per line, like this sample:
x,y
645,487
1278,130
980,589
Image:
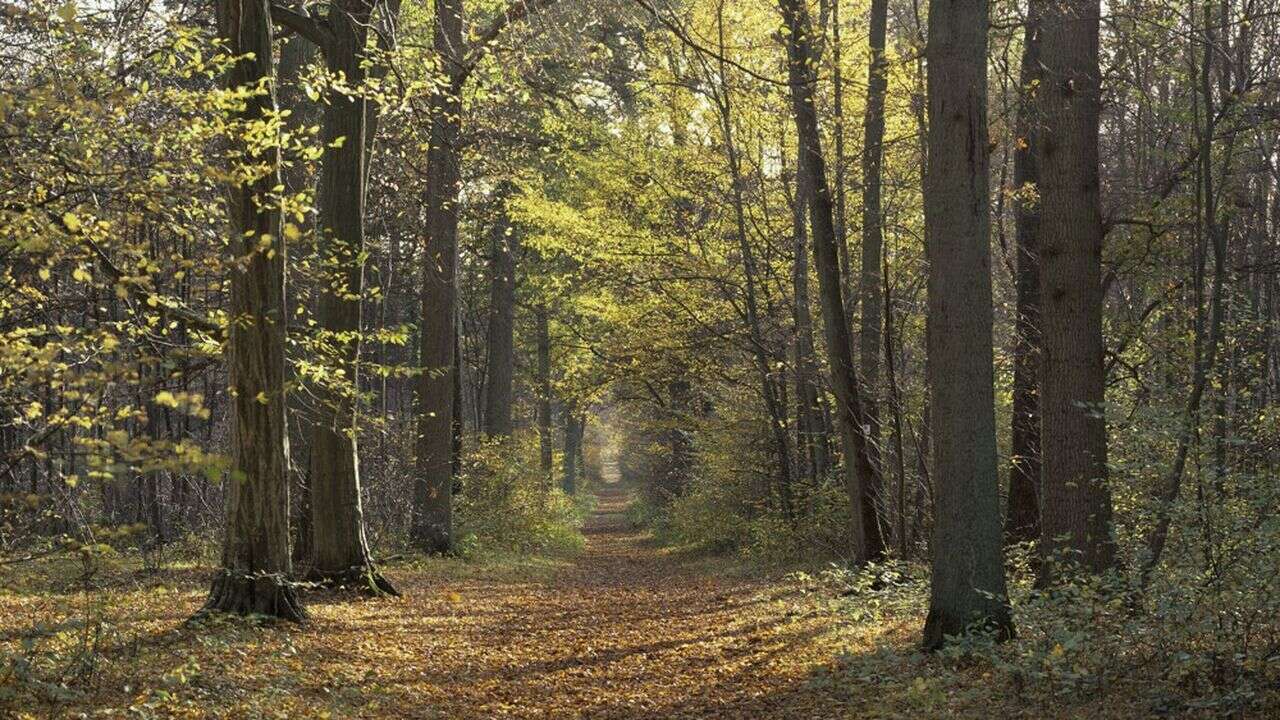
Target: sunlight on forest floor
x,y
625,630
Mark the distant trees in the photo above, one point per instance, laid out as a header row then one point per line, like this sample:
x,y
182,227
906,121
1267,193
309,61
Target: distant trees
x,y
862,476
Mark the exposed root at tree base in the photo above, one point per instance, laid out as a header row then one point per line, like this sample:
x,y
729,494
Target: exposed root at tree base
x,y
364,579
262,595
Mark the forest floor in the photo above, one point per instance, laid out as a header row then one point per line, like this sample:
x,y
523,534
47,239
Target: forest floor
x,y
624,630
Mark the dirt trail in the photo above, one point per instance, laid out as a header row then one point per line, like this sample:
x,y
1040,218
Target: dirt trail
x,y
624,632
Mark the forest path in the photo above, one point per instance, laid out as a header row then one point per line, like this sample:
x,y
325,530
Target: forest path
x,y
625,631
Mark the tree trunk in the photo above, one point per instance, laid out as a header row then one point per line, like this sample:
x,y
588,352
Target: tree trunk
x,y
968,586
433,491
1206,340
296,54
862,476
1022,521
873,224
544,392
501,335
572,446
1075,500
256,564
340,551
810,423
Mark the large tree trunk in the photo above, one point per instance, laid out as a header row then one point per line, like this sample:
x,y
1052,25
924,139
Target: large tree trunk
x,y
296,54
968,586
862,477
340,552
256,564
433,491
1022,521
501,333
1076,502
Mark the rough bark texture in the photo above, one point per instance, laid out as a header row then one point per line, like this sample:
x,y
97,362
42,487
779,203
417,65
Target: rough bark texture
x,y
340,552
501,333
862,477
1075,500
254,579
433,492
968,587
1022,521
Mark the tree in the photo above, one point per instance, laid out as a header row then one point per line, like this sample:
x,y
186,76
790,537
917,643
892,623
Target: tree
x,y
862,476
504,245
256,563
1075,499
968,585
869,283
435,449
1022,519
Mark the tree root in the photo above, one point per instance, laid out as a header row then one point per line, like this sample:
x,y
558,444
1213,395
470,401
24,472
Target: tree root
x,y
365,579
267,595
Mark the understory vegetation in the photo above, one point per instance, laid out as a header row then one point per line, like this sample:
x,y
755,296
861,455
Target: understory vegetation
x,y
639,359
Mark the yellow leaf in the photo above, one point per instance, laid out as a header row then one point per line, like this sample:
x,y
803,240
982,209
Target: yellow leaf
x,y
81,275
71,222
166,399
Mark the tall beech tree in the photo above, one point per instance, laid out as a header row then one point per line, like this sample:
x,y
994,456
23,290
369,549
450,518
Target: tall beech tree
x,y
1075,521
862,476
968,585
256,563
500,361
339,551
435,456
870,292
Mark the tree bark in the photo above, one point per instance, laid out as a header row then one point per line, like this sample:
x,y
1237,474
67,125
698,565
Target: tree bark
x,y
1075,501
501,331
968,587
862,476
340,551
256,563
433,491
869,284
1022,519
810,423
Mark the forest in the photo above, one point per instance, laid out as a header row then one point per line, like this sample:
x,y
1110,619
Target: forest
x,y
639,359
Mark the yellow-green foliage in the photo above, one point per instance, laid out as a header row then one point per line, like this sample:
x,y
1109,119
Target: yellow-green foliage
x,y
508,503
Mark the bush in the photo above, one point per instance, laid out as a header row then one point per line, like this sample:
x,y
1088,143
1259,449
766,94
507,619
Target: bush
x,y
508,505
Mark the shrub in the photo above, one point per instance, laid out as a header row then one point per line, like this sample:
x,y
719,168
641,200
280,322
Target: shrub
x,y
508,504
